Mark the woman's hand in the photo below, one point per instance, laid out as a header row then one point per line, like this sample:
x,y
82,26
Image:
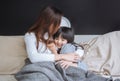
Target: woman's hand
x,y
52,47
65,64
70,57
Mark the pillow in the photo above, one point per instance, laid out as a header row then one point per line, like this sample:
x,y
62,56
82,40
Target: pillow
x,y
12,54
103,54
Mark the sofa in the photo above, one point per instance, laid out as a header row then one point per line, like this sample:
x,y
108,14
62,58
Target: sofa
x,y
13,54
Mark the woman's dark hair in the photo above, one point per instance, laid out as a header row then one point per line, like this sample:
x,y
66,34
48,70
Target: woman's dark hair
x,y
66,33
47,22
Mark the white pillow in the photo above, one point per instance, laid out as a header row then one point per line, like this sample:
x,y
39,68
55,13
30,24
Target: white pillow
x,y
65,22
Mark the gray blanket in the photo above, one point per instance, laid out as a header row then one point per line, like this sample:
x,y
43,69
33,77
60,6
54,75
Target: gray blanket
x,y
48,71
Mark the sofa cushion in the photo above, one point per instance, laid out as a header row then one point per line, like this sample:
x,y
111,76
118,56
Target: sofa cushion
x,y
7,78
12,54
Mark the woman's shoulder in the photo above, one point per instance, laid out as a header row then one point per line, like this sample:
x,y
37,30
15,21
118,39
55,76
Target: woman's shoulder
x,y
27,34
30,35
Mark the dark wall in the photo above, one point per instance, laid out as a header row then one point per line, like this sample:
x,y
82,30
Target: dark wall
x,y
86,16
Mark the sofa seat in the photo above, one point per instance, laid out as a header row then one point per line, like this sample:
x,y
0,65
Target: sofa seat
x,y
12,56
7,78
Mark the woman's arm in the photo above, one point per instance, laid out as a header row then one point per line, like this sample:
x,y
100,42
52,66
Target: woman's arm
x,y
33,55
66,64
71,57
67,57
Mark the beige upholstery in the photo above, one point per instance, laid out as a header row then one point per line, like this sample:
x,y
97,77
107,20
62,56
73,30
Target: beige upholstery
x,y
7,78
12,54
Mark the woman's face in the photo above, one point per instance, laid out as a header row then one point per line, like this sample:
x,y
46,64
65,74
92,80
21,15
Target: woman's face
x,y
52,29
59,42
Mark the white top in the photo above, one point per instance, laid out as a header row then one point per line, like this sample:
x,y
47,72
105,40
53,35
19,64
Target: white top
x,y
42,53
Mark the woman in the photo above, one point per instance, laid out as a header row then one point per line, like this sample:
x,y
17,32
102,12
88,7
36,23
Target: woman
x,y
37,39
40,35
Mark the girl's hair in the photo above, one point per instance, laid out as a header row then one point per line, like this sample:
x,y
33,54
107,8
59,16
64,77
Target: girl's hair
x,y
68,34
48,22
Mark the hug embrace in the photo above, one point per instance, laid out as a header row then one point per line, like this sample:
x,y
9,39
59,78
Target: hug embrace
x,y
52,53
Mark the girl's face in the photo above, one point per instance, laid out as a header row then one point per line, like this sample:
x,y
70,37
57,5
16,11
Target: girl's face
x,y
59,42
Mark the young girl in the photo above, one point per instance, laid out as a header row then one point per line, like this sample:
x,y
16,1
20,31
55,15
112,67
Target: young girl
x,y
64,41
